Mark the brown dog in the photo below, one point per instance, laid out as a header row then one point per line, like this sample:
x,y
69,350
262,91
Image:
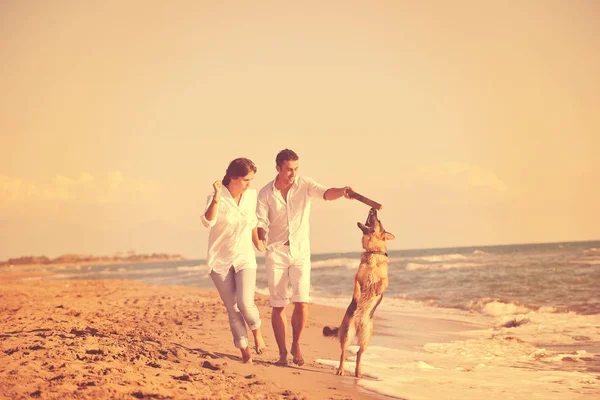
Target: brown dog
x,y
370,282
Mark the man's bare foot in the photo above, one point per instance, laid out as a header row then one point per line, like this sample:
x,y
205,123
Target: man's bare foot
x,y
282,362
259,343
298,360
246,356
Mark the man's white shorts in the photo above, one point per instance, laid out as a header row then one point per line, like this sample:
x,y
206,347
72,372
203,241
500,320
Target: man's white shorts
x,y
282,267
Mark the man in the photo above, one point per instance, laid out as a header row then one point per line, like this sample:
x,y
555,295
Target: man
x,y
283,211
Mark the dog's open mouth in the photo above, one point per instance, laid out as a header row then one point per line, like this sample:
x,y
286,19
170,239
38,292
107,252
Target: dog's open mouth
x,y
371,218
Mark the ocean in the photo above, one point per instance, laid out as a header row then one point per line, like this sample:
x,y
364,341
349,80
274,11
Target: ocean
x,y
505,322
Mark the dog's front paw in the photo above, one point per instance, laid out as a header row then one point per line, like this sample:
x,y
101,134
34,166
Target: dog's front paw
x,y
340,371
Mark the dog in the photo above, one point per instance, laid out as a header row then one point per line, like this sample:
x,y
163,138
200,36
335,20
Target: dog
x,y
370,282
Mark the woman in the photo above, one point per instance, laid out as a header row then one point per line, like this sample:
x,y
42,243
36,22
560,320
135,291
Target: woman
x,y
231,216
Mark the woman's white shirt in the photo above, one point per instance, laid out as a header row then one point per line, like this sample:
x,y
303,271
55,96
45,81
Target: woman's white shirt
x,y
230,236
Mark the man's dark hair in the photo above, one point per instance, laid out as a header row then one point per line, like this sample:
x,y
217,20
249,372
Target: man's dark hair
x,y
285,155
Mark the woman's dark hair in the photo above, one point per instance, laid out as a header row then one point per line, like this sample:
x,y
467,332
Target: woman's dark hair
x,y
238,167
285,155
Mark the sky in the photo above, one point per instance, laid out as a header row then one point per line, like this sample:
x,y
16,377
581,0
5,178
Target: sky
x,y
473,123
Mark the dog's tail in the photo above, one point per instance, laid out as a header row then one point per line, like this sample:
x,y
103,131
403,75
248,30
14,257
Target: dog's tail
x,y
330,332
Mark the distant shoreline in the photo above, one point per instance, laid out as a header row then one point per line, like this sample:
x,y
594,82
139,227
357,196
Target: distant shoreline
x,y
88,259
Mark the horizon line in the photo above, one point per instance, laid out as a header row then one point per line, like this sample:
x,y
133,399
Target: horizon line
x,y
333,252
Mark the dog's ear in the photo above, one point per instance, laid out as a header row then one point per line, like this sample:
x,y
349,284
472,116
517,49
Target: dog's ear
x,y
363,228
389,236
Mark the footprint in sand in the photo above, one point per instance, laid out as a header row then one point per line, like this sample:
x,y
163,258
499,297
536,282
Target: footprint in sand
x,y
211,366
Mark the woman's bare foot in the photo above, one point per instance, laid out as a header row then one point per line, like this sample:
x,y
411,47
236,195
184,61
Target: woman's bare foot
x,y
298,360
246,356
259,343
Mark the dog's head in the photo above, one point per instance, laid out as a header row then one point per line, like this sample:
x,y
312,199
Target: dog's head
x,y
374,235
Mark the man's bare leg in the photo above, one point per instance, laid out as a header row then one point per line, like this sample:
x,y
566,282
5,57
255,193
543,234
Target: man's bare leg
x,y
299,318
279,321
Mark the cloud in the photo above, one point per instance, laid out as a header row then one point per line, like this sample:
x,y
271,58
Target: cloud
x,y
115,180
14,190
115,187
10,187
84,180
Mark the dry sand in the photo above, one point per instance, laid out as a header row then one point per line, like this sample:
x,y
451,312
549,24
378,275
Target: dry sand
x,y
123,340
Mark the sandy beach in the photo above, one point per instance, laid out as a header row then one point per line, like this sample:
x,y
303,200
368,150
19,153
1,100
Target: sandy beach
x,y
160,331
121,339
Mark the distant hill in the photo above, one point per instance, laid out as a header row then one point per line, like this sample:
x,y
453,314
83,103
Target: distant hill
x,y
88,259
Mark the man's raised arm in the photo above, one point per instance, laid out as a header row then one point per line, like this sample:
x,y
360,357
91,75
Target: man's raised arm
x,y
336,193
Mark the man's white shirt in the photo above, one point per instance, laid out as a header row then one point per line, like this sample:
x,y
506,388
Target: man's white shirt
x,y
230,236
288,220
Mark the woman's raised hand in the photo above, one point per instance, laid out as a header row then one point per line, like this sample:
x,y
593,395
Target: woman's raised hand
x,y
217,186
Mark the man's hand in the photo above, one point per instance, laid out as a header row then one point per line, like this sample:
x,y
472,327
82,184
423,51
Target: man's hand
x,y
260,245
348,192
261,241
262,234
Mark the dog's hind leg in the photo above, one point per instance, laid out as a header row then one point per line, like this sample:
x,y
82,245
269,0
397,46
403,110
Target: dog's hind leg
x,y
363,334
345,333
362,338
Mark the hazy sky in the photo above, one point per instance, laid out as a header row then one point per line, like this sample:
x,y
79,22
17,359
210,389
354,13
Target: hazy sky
x,y
474,123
